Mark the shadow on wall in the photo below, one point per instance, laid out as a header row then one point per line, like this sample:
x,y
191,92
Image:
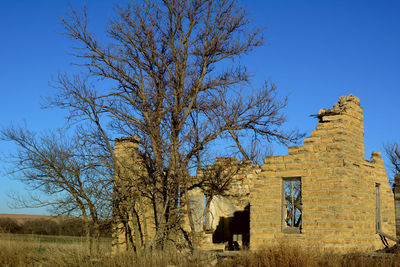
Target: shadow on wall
x,y
234,230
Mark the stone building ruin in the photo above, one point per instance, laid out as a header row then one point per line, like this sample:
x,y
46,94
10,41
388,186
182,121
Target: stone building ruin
x,y
321,193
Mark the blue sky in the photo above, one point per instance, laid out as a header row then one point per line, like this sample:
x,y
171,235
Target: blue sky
x,y
315,52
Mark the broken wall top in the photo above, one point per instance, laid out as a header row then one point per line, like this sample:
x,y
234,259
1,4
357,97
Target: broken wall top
x,y
339,132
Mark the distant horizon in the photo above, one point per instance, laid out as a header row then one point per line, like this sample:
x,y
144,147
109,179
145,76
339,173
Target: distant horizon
x,y
23,215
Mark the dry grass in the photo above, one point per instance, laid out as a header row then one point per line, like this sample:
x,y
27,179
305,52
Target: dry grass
x,y
15,251
287,256
31,250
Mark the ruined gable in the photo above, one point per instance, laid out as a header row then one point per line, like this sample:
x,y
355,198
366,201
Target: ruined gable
x,y
338,187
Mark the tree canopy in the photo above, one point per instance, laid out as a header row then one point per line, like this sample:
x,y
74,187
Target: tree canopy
x,y
174,79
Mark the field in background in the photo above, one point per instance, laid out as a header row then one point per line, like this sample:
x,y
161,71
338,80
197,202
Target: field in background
x,y
48,225
34,250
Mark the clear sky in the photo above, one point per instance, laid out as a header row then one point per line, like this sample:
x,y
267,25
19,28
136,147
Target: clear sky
x,y
315,52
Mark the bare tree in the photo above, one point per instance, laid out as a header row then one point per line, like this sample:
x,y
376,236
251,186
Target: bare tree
x,y
67,171
393,153
174,80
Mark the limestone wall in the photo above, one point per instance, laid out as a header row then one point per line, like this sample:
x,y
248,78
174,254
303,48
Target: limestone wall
x,y
338,186
133,216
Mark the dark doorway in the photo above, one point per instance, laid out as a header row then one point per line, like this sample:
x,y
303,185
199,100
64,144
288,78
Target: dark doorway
x,y
234,230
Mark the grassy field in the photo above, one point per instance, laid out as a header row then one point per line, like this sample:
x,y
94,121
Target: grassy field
x,y
35,250
50,239
44,250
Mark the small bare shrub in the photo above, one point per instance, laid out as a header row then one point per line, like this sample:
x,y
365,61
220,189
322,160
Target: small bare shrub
x,y
8,225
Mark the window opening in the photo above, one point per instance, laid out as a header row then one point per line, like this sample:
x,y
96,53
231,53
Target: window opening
x,y
292,206
207,215
179,201
204,212
378,207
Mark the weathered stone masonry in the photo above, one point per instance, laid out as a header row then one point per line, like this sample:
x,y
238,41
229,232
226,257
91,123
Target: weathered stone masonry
x,y
129,207
322,193
339,188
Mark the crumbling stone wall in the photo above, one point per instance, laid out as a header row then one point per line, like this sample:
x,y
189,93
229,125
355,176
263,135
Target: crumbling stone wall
x,y
133,215
342,194
338,186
